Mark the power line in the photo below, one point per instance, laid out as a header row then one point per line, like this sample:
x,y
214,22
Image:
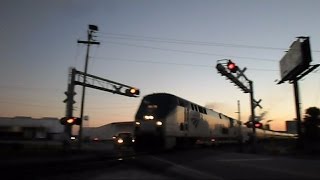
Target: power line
x,y
189,42
166,63
190,52
176,64
150,62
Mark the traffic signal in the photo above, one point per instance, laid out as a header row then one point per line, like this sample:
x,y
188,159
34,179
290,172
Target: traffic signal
x,y
133,92
248,124
224,72
258,125
232,66
70,121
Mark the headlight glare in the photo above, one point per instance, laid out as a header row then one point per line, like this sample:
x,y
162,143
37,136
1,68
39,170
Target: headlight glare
x,y
120,141
150,117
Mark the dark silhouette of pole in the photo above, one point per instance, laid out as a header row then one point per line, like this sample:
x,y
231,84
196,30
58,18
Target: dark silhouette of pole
x,y
239,112
92,29
297,102
69,109
254,139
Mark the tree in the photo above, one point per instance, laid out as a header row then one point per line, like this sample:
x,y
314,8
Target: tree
x,y
311,123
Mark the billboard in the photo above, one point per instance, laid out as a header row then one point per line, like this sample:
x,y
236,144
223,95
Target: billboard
x,y
296,60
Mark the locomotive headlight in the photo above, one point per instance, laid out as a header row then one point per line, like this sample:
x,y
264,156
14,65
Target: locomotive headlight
x,y
120,141
150,117
159,123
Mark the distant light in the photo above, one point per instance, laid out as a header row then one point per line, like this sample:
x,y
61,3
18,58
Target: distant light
x,y
132,90
72,137
95,139
258,125
213,140
138,123
133,140
159,123
70,120
120,141
231,66
152,106
148,117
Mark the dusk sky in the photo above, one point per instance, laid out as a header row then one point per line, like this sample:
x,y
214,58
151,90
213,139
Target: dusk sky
x,y
167,46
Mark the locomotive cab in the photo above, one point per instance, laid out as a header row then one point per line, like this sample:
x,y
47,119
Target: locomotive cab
x,y
151,119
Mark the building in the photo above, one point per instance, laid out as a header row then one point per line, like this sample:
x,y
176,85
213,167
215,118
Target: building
x,y
291,127
106,132
27,128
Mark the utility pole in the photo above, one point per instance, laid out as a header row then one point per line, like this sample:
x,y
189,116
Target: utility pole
x,y
253,116
297,102
91,30
238,112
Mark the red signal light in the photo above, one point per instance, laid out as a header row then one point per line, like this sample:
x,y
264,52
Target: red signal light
x,y
232,66
258,125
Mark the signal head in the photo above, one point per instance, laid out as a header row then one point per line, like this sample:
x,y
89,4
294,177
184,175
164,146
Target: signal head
x,y
133,92
222,70
232,66
258,125
70,121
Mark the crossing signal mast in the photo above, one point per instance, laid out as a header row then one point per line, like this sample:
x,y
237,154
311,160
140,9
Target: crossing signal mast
x,y
81,78
231,71
94,82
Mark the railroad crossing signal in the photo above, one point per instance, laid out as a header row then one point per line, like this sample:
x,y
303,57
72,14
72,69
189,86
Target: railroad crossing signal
x,y
70,121
70,97
232,67
227,69
256,124
133,92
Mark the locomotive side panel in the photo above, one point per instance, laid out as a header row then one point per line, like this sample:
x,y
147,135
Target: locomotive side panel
x,y
174,121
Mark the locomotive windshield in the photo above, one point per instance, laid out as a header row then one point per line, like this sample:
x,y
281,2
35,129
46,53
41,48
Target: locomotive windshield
x,y
157,105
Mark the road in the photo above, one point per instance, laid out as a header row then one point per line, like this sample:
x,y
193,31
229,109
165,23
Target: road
x,y
205,163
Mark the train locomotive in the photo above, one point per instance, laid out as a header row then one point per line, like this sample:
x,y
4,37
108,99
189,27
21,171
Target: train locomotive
x,y
165,121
